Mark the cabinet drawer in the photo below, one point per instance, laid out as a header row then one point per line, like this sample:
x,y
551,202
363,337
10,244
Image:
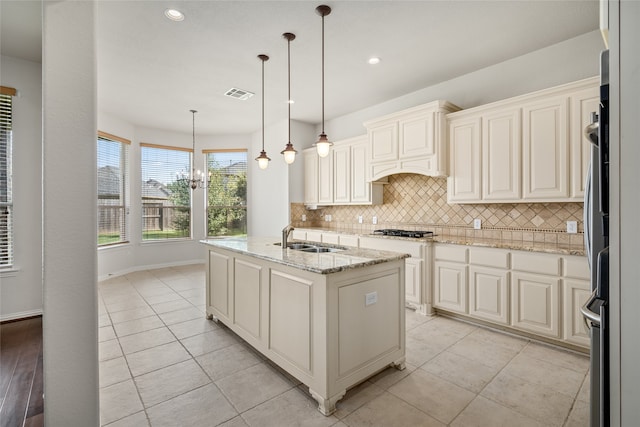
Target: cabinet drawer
x,y
455,253
576,267
535,263
489,257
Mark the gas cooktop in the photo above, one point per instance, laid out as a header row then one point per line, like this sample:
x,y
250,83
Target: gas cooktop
x,y
403,233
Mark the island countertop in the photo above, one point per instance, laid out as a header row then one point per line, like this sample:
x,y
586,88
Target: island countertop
x,y
268,248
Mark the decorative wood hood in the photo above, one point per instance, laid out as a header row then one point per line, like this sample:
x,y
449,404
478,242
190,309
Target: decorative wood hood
x,y
409,141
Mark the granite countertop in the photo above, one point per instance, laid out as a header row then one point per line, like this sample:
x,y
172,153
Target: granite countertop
x,y
321,263
554,248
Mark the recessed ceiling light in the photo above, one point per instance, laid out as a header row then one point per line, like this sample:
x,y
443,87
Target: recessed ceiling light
x,y
374,60
174,14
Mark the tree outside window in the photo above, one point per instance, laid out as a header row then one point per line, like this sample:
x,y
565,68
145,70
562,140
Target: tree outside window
x,y
227,193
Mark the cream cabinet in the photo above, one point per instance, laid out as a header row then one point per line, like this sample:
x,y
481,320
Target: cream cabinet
x,y
529,148
583,103
465,166
409,141
310,159
501,151
340,178
545,149
417,269
450,278
532,292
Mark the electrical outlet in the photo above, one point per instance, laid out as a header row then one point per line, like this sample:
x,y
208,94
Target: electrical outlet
x,y
572,227
304,218
374,220
477,224
370,298
359,219
327,217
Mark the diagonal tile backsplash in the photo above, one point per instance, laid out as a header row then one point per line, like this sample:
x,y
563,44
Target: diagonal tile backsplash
x,y
420,202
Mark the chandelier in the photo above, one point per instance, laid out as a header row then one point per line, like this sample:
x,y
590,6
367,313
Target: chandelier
x,y
197,179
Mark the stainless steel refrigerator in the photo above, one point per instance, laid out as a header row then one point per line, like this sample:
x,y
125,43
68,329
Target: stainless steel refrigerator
x,y
596,226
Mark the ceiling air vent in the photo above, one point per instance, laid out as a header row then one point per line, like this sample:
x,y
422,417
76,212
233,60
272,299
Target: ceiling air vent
x,y
240,94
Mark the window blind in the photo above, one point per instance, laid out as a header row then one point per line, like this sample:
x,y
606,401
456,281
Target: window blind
x,y
6,197
113,189
166,202
227,193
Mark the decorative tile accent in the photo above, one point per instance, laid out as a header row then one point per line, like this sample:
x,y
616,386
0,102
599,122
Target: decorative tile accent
x,y
420,202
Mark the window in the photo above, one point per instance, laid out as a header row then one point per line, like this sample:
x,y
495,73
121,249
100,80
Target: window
x,y
6,197
113,184
166,203
227,193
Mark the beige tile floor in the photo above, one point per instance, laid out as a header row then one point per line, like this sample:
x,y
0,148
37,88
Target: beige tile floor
x,y
163,364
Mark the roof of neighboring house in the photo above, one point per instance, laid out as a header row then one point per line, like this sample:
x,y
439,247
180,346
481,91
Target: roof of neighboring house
x,y
152,189
108,181
234,168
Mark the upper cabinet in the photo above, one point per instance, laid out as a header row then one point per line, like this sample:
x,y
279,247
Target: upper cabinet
x,y
525,149
409,141
340,178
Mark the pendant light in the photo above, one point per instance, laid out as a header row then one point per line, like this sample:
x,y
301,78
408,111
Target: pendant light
x,y
263,159
323,145
197,179
289,152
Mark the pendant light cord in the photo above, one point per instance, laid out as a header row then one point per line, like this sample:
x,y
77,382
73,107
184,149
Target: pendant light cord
x,y
263,105
289,82
193,135
323,74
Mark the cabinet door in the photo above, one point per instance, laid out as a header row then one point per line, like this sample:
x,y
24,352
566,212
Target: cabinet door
x,y
310,177
534,303
545,147
325,179
331,238
463,184
575,294
219,284
416,136
413,280
488,294
501,147
360,187
583,104
342,174
450,286
383,142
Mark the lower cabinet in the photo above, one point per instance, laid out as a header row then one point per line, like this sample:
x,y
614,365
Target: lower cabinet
x,y
489,294
533,292
575,293
413,280
535,302
450,286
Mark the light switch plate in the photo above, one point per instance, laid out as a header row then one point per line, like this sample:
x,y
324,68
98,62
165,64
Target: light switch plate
x,y
572,227
374,220
477,224
359,219
304,217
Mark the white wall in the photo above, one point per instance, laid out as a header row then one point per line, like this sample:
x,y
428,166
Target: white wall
x,y
571,60
21,288
137,255
70,328
624,40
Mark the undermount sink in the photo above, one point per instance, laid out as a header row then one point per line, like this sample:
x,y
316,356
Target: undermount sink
x,y
305,247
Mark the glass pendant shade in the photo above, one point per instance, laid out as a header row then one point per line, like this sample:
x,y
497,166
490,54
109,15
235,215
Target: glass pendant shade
x,y
263,160
289,153
323,146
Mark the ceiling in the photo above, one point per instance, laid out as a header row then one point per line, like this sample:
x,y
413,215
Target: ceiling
x,y
152,71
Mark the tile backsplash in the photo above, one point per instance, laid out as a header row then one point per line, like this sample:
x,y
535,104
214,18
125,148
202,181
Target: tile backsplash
x,y
419,202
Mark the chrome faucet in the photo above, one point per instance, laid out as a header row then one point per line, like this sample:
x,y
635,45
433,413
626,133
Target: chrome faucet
x,y
285,235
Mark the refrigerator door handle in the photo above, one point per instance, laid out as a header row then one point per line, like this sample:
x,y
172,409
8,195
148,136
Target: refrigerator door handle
x,y
588,315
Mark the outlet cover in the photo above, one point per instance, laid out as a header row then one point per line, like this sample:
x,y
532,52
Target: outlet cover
x,y
572,227
477,224
304,217
359,219
370,298
374,220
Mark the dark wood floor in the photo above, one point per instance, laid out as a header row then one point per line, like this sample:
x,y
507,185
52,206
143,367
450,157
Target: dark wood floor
x,y
21,401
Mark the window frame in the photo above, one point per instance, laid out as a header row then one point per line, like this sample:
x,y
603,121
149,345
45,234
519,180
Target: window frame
x,y
207,152
160,216
7,262
125,173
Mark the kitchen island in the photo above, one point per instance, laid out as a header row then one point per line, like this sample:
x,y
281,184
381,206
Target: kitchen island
x,y
330,319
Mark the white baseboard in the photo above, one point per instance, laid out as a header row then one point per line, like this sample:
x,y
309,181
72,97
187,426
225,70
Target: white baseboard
x,y
149,267
20,315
